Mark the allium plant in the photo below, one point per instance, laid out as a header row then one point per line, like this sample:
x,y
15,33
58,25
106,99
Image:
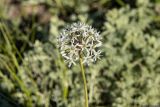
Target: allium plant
x,y
79,43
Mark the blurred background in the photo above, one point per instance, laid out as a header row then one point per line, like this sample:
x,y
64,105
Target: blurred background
x,y
33,73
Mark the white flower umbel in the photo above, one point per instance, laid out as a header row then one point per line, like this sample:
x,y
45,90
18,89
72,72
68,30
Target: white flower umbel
x,y
77,39
79,43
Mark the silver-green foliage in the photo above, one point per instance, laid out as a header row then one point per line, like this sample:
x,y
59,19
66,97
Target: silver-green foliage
x,y
132,51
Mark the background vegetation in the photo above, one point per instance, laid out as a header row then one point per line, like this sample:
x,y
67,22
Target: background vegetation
x,y
33,74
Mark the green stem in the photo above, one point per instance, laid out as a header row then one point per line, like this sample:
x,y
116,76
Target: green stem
x,y
65,86
84,80
64,78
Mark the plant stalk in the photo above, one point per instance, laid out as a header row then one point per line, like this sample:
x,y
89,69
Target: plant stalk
x,y
84,80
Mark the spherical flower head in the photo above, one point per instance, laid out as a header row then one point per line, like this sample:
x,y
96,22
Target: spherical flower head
x,y
77,39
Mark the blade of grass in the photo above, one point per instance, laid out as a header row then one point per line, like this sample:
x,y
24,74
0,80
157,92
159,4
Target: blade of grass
x,y
15,63
10,43
20,83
